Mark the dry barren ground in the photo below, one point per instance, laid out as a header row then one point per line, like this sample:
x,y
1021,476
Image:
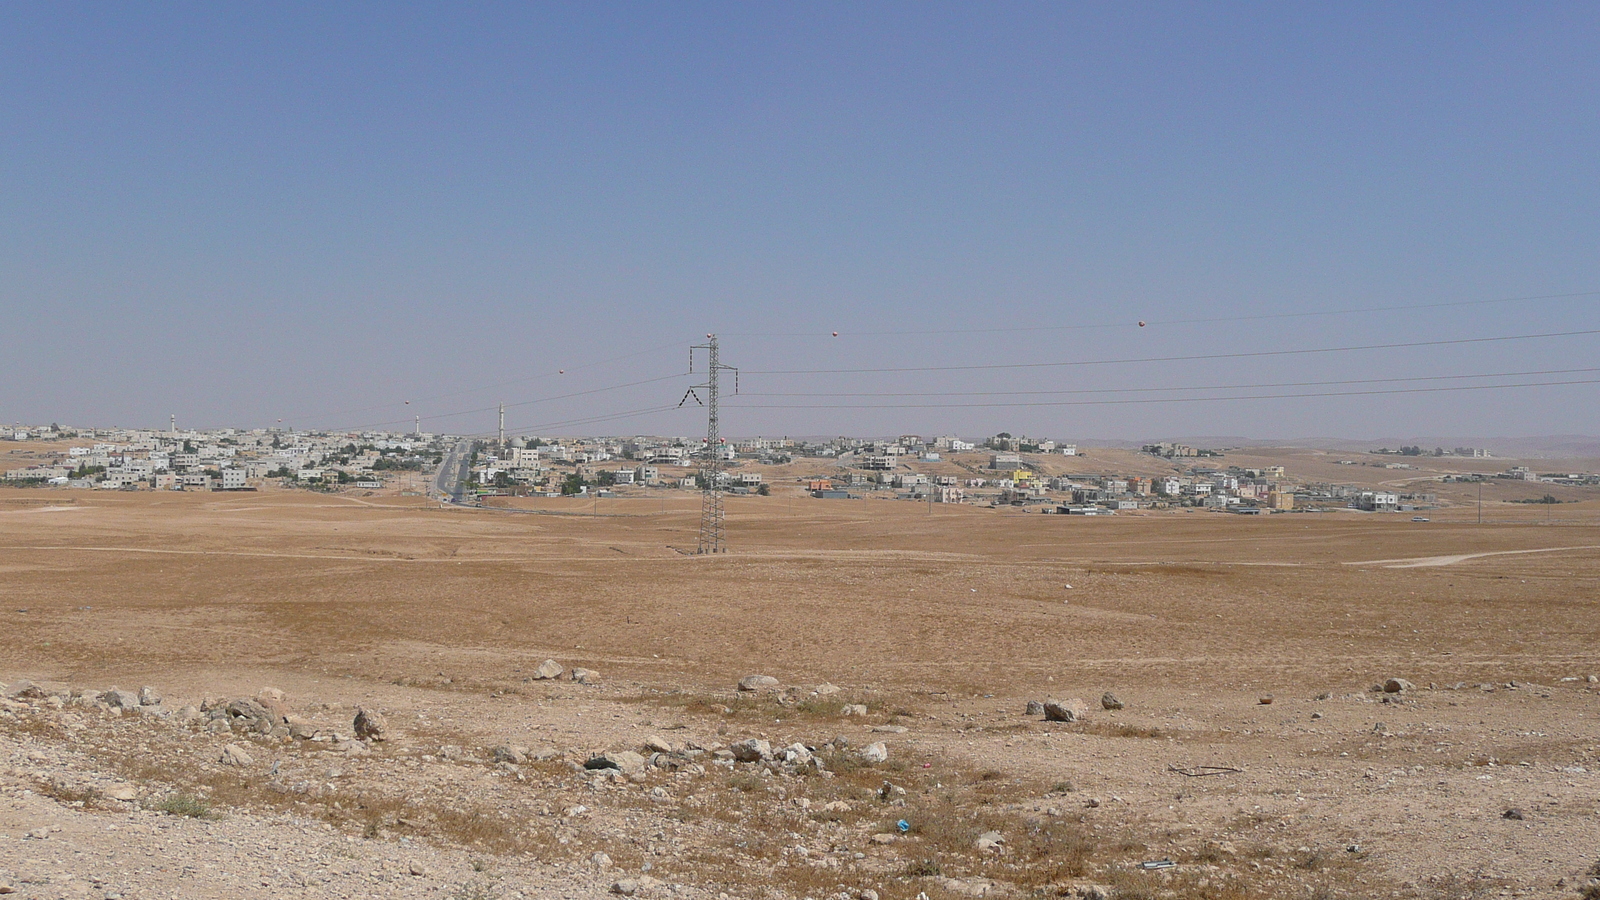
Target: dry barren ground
x,y
1481,781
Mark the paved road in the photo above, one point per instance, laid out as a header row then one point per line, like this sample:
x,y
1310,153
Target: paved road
x,y
450,483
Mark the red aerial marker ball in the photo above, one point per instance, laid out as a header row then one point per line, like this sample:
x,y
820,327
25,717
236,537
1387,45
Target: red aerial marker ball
x,y
1141,323
561,371
836,334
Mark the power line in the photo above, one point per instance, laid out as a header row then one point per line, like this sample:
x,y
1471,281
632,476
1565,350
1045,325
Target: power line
x,y
588,420
474,390
1160,359
468,412
1145,400
1159,322
1187,387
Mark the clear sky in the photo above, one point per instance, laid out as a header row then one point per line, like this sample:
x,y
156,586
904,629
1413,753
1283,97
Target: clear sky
x,y
241,213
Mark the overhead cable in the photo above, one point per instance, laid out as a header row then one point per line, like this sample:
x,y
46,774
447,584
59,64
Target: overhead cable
x,y
1244,354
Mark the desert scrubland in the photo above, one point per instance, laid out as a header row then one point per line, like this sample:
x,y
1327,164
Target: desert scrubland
x,y
1252,645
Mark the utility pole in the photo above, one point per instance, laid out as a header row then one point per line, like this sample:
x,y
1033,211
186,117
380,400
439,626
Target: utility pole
x,y
1480,499
502,424
419,426
711,512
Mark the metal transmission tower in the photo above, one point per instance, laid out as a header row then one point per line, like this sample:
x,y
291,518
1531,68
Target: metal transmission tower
x,y
711,515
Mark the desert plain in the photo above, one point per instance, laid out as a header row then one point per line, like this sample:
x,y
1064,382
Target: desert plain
x,y
1254,748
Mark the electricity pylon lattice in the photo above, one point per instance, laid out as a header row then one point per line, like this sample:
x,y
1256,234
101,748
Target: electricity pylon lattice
x,y
711,513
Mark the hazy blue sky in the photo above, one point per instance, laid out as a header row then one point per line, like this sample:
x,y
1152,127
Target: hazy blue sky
x,y
241,213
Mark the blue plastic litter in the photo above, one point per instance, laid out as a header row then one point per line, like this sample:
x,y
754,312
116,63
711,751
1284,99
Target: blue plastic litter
x,y
903,825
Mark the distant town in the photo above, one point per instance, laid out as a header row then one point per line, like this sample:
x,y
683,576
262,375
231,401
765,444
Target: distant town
x,y
1001,470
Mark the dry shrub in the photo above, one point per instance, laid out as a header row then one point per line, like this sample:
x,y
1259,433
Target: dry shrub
x,y
187,805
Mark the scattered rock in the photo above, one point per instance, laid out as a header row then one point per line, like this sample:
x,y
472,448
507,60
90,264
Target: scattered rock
x,y
508,754
149,697
1109,700
584,676
655,743
890,729
1266,700
1397,686
824,689
1064,710
884,838
38,690
124,793
244,714
417,869
1034,708
548,670
370,725
600,860
625,761
120,699
854,709
235,755
989,842
1592,679
628,887
874,753
752,750
751,683
970,887
276,703
1513,814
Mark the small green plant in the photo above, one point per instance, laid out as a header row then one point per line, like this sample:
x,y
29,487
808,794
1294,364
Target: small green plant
x,y
186,805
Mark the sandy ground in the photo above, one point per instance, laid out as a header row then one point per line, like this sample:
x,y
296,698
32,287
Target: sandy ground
x,y
947,621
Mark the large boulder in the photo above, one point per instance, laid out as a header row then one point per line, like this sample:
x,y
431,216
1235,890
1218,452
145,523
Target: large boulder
x,y
1398,686
1064,710
874,753
1109,700
548,670
753,683
235,755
